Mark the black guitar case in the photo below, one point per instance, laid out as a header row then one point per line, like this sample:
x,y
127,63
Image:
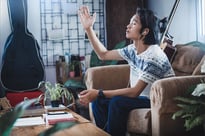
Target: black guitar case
x,y
22,65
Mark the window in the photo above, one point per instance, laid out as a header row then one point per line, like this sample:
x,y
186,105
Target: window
x,y
201,20
61,32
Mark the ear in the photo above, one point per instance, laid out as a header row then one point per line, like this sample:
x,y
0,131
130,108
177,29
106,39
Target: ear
x,y
145,31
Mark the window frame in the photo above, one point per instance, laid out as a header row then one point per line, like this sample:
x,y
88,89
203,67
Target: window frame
x,y
200,17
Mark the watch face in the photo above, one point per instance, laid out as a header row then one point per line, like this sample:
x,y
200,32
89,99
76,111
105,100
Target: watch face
x,y
101,94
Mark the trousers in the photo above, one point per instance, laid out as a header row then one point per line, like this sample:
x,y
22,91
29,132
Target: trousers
x,y
111,114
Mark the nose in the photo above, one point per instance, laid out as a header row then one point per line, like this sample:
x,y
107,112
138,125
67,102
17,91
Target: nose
x,y
128,25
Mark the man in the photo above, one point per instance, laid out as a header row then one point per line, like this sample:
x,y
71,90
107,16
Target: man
x,y
147,61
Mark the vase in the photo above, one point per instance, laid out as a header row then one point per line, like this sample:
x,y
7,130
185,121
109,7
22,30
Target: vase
x,y
55,103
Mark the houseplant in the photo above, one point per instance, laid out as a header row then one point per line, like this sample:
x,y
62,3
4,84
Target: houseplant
x,y
72,69
8,119
192,105
56,93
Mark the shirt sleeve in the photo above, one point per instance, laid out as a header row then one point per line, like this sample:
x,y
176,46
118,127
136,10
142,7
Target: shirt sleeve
x,y
153,71
127,52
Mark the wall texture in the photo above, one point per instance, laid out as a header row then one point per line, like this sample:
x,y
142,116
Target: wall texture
x,y
183,26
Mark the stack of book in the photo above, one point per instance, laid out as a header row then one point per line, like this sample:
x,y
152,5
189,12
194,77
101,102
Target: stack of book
x,y
58,116
34,111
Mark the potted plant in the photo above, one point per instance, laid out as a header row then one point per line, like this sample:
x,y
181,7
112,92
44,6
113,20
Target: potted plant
x,y
8,119
55,93
193,105
72,69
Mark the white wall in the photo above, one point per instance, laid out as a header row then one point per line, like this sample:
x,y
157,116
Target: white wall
x,y
183,26
4,25
34,27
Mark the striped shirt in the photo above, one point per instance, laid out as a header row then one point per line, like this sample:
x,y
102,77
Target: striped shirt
x,y
148,66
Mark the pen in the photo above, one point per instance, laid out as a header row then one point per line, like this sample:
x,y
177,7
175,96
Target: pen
x,y
68,106
56,113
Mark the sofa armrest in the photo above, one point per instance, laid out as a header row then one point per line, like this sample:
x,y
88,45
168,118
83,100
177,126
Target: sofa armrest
x,y
107,77
163,104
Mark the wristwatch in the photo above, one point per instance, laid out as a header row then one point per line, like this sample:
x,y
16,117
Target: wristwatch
x,y
101,94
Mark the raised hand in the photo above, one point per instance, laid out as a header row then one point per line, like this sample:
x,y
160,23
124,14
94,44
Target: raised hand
x,y
86,19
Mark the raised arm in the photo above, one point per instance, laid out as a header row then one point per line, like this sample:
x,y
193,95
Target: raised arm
x,y
87,22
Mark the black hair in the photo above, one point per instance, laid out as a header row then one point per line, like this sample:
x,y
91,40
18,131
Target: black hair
x,y
150,21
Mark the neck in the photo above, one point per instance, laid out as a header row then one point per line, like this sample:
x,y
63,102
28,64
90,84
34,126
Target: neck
x,y
140,46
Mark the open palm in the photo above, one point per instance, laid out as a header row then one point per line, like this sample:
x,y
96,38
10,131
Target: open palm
x,y
86,19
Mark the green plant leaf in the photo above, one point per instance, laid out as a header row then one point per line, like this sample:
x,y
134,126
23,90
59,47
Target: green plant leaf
x,y
57,127
57,91
192,100
8,119
178,114
189,108
192,109
194,121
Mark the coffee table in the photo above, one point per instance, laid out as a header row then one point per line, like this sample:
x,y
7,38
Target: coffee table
x,y
84,128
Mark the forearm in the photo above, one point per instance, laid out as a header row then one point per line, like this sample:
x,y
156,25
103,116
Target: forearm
x,y
98,47
128,92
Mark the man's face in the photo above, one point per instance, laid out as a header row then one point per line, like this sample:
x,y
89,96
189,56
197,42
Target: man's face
x,y
133,28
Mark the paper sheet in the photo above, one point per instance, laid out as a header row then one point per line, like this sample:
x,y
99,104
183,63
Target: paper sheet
x,y
29,121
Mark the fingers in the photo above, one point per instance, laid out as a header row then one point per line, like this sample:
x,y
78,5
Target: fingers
x,y
94,16
84,11
83,92
85,103
83,100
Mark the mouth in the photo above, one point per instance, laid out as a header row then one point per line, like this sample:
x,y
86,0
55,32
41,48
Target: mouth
x,y
127,31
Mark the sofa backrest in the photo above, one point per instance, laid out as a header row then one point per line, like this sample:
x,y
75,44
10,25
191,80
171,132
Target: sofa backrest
x,y
187,60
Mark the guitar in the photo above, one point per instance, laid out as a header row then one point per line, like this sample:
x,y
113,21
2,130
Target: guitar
x,y
22,65
166,39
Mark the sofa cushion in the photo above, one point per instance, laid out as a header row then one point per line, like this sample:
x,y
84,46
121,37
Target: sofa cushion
x,y
197,70
139,121
186,59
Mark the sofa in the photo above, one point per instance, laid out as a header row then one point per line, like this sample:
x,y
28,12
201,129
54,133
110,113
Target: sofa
x,y
155,121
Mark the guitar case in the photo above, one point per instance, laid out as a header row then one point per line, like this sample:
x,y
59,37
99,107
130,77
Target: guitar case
x,y
22,65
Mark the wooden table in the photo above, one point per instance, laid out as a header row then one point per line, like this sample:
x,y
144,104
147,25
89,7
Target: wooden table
x,y
84,128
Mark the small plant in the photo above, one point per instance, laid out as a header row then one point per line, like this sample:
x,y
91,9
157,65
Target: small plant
x,y
192,107
73,64
56,92
8,119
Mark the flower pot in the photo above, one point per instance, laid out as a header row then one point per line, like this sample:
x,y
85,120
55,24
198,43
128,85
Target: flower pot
x,y
72,73
55,103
